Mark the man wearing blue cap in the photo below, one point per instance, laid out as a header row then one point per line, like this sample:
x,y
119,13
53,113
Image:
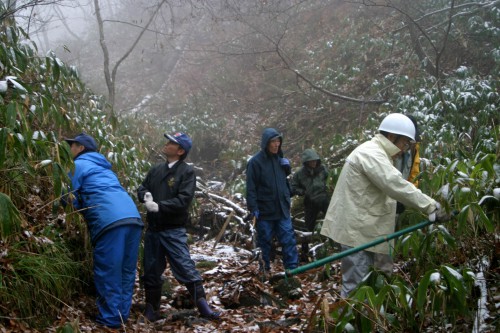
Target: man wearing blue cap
x,y
167,191
115,229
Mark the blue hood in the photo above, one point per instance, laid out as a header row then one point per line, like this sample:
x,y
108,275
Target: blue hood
x,y
96,158
267,135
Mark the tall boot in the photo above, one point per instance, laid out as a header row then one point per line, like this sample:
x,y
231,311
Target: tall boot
x,y
199,297
304,257
153,299
205,310
272,252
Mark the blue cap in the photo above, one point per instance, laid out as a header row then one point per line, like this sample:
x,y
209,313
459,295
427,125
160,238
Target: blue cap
x,y
181,139
85,140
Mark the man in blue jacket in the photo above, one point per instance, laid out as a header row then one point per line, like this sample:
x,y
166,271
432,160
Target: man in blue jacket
x,y
115,229
268,199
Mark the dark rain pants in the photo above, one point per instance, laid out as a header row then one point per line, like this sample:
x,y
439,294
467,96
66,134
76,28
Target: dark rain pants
x,y
170,245
312,208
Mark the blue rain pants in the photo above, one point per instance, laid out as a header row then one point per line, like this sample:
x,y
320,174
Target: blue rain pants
x,y
115,262
283,230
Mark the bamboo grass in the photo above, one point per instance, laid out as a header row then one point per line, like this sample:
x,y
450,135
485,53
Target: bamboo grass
x,y
38,284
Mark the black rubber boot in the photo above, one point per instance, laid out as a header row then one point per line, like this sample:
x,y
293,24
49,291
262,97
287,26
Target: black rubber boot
x,y
198,295
272,252
205,310
153,299
304,252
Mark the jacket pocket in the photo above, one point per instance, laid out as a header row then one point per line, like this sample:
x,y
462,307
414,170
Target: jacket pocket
x,y
266,206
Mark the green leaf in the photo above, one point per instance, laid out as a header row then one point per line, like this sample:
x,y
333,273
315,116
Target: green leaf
x,y
456,289
382,295
487,163
56,71
10,116
486,197
58,176
3,146
10,218
450,240
462,219
68,328
485,220
422,290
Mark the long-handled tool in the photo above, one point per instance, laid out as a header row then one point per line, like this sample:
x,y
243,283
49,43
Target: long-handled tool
x,y
256,251
323,261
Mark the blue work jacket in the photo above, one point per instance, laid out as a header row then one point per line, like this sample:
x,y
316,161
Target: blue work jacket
x,y
99,196
268,190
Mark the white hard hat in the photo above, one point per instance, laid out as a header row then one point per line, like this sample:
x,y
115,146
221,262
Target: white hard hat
x,y
398,123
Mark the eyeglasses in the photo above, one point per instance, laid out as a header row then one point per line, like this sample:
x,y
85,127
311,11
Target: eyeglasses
x,y
407,145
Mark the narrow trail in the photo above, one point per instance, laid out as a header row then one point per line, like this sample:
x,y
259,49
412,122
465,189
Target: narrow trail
x,y
234,287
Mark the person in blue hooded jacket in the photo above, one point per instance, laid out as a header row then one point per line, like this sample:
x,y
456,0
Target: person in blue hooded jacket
x,y
268,199
115,228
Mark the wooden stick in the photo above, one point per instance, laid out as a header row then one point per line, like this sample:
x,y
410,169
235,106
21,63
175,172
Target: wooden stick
x,y
221,232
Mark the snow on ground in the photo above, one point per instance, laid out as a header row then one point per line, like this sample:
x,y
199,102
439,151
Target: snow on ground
x,y
235,274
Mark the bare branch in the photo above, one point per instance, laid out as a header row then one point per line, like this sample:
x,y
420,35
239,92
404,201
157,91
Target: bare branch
x,y
287,60
104,47
111,78
335,95
65,23
440,53
137,26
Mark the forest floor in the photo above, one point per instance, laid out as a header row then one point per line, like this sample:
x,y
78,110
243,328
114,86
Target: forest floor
x,y
235,288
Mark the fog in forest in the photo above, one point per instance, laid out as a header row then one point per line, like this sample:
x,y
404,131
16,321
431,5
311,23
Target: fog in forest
x,y
236,66
324,73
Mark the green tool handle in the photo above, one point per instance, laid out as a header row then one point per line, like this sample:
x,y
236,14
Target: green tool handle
x,y
323,261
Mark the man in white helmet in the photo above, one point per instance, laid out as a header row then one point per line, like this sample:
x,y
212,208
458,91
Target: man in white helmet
x,y
363,205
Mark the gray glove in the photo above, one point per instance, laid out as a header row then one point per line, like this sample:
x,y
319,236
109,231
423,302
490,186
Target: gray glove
x,y
151,206
439,214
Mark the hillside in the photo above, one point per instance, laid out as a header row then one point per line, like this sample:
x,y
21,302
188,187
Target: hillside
x,y
316,70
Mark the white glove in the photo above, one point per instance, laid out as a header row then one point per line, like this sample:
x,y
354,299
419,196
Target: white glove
x,y
148,197
439,214
151,206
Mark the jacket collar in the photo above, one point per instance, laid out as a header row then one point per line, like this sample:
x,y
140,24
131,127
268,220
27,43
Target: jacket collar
x,y
390,148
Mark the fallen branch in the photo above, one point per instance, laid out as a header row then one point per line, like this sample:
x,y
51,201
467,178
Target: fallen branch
x,y
223,200
221,232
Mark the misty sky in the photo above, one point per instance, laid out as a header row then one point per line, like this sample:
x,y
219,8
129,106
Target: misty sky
x,y
48,25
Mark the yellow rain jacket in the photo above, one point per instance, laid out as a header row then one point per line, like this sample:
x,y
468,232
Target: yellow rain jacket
x,y
363,205
415,167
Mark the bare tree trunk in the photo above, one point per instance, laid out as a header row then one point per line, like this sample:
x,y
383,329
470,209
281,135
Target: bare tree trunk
x,y
172,62
110,74
419,51
109,83
433,68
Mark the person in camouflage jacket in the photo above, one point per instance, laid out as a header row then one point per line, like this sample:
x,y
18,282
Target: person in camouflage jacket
x,y
310,181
